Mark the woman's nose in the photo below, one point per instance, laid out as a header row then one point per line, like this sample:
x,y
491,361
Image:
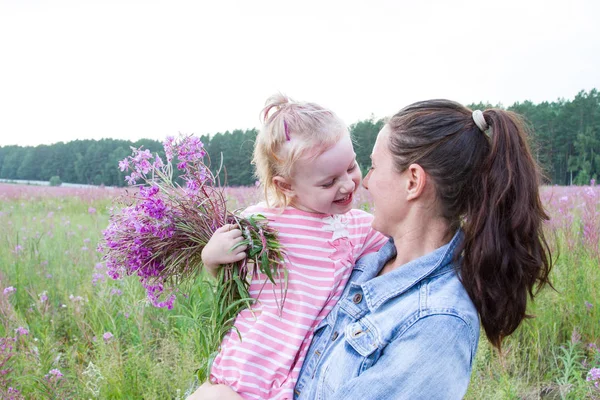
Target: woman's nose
x,y
366,180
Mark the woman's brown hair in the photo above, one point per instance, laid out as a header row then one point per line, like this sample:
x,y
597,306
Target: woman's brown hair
x,y
487,183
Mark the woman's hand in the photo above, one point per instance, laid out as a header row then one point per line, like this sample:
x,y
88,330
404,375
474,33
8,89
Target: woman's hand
x,y
218,249
209,391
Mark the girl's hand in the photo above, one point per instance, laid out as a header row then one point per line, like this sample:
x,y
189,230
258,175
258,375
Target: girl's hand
x,y
218,249
209,391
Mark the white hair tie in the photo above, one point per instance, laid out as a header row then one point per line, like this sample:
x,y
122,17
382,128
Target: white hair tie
x,y
480,120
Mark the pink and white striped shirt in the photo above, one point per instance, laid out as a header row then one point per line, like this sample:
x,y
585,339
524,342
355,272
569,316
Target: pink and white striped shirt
x,y
321,250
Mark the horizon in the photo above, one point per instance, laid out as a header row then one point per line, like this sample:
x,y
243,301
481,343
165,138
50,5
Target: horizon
x,y
211,134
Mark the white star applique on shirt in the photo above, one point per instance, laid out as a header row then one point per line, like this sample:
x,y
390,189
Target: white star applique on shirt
x,y
338,225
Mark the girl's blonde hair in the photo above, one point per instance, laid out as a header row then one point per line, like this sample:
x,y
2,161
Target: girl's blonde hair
x,y
290,131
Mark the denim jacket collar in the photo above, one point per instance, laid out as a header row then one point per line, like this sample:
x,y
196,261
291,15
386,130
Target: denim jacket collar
x,y
378,289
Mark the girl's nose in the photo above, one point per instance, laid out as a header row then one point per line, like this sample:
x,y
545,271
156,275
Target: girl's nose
x,y
348,186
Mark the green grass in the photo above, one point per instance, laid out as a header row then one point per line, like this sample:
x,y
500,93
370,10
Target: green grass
x,y
548,357
154,353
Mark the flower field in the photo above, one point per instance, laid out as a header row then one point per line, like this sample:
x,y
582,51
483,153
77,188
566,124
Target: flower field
x,y
67,330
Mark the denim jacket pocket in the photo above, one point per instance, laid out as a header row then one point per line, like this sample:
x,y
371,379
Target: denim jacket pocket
x,y
359,353
362,337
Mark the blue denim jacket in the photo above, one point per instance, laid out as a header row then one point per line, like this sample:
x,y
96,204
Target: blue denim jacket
x,y
411,333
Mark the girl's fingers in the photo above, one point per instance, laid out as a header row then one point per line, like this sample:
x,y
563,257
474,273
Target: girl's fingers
x,y
239,256
237,239
226,228
231,230
241,249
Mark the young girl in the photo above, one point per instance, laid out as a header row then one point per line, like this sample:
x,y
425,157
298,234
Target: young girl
x,y
306,163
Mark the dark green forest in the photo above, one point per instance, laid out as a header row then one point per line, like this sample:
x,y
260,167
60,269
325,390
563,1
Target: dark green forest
x,y
565,136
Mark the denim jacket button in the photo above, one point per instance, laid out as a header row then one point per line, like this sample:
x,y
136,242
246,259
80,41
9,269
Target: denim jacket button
x,y
357,298
334,336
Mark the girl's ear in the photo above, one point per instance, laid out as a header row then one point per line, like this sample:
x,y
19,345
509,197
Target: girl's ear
x,y
283,185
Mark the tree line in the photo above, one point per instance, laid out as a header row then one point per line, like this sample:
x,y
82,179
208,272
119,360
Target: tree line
x,y
564,134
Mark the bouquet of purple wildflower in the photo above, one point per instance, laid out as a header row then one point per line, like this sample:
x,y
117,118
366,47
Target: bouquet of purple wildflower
x,y
159,232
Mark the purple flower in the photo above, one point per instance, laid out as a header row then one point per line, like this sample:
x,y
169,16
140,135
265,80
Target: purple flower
x,y
116,292
124,165
594,376
168,146
54,373
43,296
12,390
131,179
22,331
91,210
158,162
98,277
588,305
9,290
18,249
107,336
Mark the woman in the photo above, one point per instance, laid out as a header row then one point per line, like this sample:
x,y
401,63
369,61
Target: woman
x,y
457,193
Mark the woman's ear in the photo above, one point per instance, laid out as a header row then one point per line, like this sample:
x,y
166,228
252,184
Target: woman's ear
x,y
283,185
416,181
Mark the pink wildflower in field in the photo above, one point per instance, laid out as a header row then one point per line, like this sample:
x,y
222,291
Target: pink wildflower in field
x,y
76,299
54,374
18,249
22,331
91,210
107,336
43,296
97,277
591,220
588,305
594,376
116,292
9,290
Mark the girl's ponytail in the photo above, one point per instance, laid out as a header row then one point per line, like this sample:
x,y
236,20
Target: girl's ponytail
x,y
290,130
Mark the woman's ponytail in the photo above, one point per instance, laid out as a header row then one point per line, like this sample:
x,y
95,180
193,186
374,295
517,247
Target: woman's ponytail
x,y
505,254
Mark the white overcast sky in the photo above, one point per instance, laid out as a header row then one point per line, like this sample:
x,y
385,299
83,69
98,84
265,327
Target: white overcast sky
x,y
129,69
